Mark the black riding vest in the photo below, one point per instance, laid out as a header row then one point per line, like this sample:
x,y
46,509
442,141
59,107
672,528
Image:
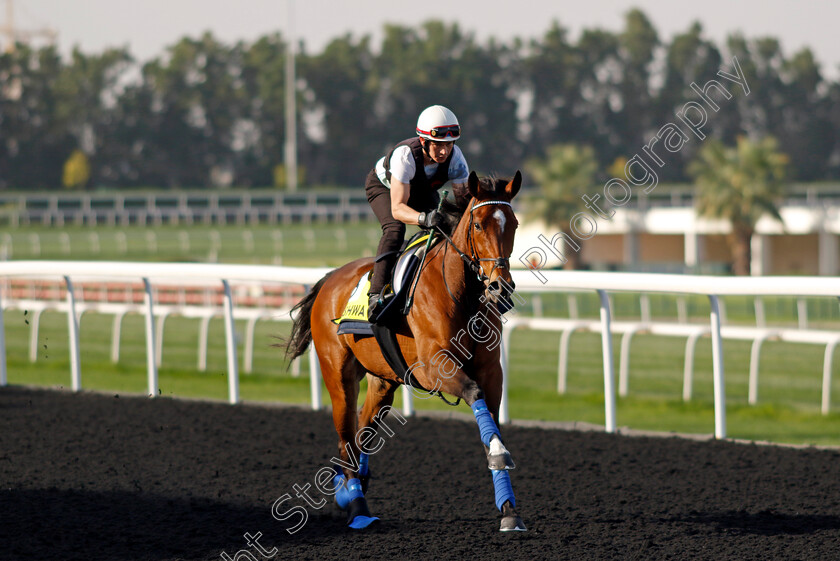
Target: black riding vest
x,y
421,183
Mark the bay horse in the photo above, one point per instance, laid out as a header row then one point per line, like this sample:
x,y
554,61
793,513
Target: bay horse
x,y
447,337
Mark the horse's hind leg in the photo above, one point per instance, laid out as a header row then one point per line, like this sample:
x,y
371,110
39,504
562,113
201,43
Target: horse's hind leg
x,y
341,377
380,397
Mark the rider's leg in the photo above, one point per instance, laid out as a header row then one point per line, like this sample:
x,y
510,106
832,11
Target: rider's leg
x,y
393,233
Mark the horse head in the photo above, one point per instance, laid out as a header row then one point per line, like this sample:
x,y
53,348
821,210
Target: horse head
x,y
489,231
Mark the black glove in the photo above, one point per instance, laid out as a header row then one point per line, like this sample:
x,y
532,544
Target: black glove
x,y
430,219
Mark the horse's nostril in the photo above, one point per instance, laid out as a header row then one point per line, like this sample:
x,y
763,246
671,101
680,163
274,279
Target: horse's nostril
x,y
500,289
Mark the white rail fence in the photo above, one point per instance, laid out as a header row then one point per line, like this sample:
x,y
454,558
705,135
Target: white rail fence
x,y
151,274
527,282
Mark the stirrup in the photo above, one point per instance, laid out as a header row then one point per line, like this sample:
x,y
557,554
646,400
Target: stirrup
x,y
376,304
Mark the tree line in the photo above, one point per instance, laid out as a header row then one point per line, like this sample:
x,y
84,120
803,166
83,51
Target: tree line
x,y
207,114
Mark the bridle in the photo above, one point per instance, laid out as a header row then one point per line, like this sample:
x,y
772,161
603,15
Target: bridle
x,y
473,261
500,262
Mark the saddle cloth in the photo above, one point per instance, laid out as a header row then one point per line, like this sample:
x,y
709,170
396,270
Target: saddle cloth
x,y
354,317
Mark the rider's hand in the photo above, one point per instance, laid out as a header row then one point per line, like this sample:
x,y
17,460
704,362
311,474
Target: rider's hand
x,y
430,219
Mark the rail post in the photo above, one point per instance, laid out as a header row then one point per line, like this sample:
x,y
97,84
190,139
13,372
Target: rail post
x,y
609,371
507,331
3,380
717,364
408,401
151,364
73,329
230,343
314,378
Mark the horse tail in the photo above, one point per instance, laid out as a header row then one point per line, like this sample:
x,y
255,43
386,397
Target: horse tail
x,y
301,336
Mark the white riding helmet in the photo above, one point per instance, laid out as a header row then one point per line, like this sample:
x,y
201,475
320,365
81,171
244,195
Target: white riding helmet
x,y
439,124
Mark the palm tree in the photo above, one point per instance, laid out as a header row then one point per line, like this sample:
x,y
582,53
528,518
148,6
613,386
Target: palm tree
x,y
740,184
564,176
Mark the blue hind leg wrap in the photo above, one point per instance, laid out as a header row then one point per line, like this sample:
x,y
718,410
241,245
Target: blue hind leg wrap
x,y
503,488
363,464
486,425
347,493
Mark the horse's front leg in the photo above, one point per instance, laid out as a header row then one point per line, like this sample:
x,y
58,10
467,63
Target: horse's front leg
x,y
498,456
457,383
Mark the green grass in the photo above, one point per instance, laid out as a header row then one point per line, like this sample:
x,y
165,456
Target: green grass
x,y
789,385
297,244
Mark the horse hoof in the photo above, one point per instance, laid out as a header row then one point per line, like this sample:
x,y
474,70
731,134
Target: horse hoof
x,y
361,521
358,514
512,524
500,461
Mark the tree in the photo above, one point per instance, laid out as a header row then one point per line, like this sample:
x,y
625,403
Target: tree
x,y
34,137
88,90
740,184
198,101
263,77
343,103
636,48
551,83
76,171
598,83
564,176
440,64
805,130
692,59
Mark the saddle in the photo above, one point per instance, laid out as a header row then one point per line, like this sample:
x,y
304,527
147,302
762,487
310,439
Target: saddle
x,y
354,318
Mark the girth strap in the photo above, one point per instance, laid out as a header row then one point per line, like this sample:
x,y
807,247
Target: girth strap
x,y
387,340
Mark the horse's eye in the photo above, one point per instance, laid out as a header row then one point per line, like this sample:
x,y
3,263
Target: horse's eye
x,y
478,226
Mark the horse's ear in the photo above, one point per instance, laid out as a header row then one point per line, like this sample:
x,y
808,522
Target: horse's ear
x,y
512,188
472,184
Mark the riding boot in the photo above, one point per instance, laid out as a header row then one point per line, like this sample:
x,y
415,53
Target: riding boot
x,y
374,307
379,281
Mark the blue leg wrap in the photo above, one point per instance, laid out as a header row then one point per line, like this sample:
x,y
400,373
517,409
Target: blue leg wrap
x,y
486,425
342,495
346,493
363,464
503,488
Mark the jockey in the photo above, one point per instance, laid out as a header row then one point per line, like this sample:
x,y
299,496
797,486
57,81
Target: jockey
x,y
402,189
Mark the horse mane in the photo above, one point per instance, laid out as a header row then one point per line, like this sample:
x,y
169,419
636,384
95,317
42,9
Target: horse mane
x,y
454,208
452,212
493,185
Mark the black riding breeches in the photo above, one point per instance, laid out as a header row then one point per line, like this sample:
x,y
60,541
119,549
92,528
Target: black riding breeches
x,y
393,231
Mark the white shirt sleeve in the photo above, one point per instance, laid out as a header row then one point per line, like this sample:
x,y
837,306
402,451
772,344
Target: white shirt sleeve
x,y
459,171
403,167
402,164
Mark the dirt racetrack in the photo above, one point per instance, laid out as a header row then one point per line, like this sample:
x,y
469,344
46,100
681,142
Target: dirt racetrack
x,y
94,477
